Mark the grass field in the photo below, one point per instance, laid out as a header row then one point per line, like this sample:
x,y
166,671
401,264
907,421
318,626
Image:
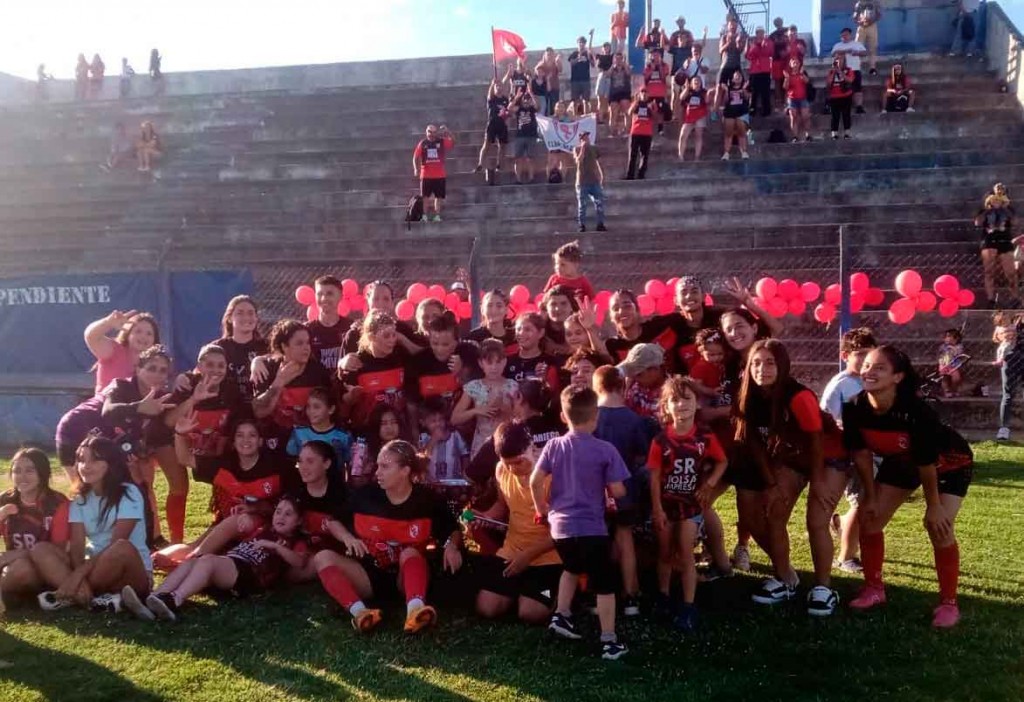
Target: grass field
x,y
293,645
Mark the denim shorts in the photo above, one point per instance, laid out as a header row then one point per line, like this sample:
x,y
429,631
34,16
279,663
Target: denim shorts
x,y
797,104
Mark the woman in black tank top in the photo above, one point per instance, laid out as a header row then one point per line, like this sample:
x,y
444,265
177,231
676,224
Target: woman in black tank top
x,y
733,101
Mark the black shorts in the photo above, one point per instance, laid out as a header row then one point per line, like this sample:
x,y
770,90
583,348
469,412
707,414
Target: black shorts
x,y
902,475
496,132
590,555
538,583
1002,242
384,583
247,583
742,472
858,85
725,74
624,95
433,187
665,108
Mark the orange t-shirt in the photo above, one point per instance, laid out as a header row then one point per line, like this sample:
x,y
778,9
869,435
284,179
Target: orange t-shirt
x,y
522,532
432,154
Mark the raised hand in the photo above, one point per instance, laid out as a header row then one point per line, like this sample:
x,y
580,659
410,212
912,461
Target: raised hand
x,y
187,423
153,405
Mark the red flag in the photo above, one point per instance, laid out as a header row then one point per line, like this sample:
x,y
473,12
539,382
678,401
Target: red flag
x,y
507,45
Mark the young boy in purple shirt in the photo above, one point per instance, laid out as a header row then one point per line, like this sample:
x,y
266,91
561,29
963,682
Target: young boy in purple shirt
x,y
582,468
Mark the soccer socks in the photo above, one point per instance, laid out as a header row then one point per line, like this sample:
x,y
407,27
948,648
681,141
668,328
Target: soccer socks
x,y
947,567
340,588
413,575
872,555
174,509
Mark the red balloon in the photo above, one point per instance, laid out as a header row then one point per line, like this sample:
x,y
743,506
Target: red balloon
x,y
947,286
708,301
538,300
599,315
766,288
857,301
519,295
358,303
902,310
405,310
465,310
436,291
416,292
825,312
789,289
305,295
528,307
777,307
965,298
665,305
810,291
349,288
671,285
797,306
312,313
834,294
656,289
948,308
926,301
451,301
344,308
874,297
647,304
511,314
859,282
908,283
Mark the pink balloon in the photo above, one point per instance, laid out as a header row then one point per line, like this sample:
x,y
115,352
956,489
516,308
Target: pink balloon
x,y
602,298
405,310
465,310
665,305
349,288
797,306
926,301
859,282
656,289
908,283
766,288
451,301
947,286
519,295
834,294
857,301
874,297
671,285
647,304
965,298
529,307
810,291
312,313
358,303
416,292
789,289
305,295
948,308
902,310
599,315
344,308
825,312
538,300
777,307
708,301
436,291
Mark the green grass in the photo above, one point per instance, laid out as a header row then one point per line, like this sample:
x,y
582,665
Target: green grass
x,y
293,645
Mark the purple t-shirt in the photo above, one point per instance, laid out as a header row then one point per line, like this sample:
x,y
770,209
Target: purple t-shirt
x,y
581,466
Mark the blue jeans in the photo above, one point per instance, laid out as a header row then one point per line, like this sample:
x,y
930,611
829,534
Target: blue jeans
x,y
585,193
958,41
1013,379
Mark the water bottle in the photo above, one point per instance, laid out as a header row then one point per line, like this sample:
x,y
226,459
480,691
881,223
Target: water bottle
x,y
359,463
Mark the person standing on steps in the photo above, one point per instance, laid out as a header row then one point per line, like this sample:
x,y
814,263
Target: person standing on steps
x,y
496,131
656,82
524,112
965,28
580,62
840,82
696,65
852,50
680,44
550,67
759,53
731,47
620,88
641,131
733,100
517,77
866,14
619,27
604,60
589,182
654,40
694,102
780,47
797,104
428,165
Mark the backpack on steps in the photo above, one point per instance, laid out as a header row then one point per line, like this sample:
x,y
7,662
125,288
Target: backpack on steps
x,y
776,136
555,176
414,212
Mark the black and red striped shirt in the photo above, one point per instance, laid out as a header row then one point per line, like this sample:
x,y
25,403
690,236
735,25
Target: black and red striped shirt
x,y
234,487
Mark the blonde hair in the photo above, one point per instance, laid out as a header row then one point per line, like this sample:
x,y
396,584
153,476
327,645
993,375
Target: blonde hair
x,y
374,322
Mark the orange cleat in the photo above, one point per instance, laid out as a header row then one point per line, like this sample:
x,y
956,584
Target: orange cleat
x,y
420,619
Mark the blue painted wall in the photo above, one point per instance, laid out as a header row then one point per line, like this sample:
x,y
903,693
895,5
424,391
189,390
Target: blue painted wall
x,y
906,25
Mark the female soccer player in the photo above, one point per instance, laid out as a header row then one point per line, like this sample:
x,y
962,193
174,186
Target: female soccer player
x,y
241,341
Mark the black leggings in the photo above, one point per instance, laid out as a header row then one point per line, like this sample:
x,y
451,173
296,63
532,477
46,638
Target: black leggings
x,y
761,87
639,151
841,108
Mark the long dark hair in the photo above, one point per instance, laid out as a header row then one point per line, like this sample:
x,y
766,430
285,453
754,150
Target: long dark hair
x,y
40,463
777,394
907,388
126,330
114,485
227,328
373,442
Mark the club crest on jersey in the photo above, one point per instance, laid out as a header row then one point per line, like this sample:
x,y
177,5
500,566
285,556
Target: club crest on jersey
x,y
904,442
414,531
267,489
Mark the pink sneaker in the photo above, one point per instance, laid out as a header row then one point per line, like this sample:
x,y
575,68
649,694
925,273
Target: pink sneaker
x,y
868,597
946,616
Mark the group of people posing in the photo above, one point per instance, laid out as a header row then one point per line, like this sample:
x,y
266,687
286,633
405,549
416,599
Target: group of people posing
x,y
368,454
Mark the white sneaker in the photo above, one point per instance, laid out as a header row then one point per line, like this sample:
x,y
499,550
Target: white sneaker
x,y
744,155
741,558
911,109
725,156
133,604
49,602
108,602
821,601
1003,434
774,591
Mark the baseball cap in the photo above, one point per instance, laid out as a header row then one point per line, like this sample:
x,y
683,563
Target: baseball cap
x,y
641,357
458,285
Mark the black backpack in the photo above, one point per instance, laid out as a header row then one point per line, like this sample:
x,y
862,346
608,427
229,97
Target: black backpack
x,y
555,176
776,136
414,212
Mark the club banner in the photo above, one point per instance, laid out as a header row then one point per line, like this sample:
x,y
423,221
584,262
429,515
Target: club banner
x,y
565,136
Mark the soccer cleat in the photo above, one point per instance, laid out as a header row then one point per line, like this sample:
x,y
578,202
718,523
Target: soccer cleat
x,y
822,601
946,616
631,606
868,597
850,565
1003,434
420,618
162,604
686,619
741,558
613,650
133,604
367,620
773,591
563,626
48,601
108,602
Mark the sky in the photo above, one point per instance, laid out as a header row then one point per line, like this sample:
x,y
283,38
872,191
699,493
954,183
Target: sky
x,y
211,34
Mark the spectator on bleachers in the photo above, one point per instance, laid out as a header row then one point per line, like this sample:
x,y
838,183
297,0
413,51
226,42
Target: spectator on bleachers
x,y
524,114
733,101
731,46
558,161
550,68
619,27
428,165
840,81
620,88
965,28
81,78
96,71
122,148
656,82
496,131
852,50
695,103
696,65
797,104
589,182
127,73
759,53
680,44
654,40
780,47
539,88
898,94
580,62
641,132
42,79
867,14
155,59
996,219
517,77
604,61
148,147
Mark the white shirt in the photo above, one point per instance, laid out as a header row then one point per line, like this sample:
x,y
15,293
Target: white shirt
x,y
852,61
842,388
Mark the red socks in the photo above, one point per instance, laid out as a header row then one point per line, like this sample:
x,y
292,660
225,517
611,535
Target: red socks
x,y
947,567
872,555
174,509
338,586
413,575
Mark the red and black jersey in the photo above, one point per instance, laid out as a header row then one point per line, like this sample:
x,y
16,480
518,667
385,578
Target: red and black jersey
x,y
318,512
213,416
681,461
240,357
266,565
519,368
234,487
326,342
426,376
674,334
382,381
290,410
387,528
46,520
481,334
909,431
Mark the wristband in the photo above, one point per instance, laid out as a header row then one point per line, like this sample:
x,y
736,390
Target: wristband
x,y
540,519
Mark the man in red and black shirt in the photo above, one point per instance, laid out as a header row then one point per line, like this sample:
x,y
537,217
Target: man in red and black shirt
x,y
428,165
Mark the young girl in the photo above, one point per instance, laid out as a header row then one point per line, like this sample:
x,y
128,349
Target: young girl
x,y
488,400
530,361
241,341
213,398
31,513
581,331
734,103
890,420
254,565
107,546
694,100
685,464
494,322
952,346
568,273
708,371
795,82
320,408
116,357
385,424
